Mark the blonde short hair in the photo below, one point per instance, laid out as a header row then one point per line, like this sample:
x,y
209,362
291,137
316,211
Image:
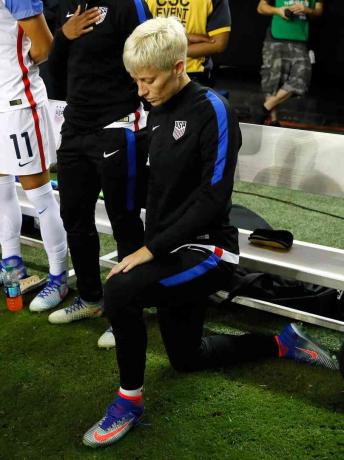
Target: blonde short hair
x,y
157,43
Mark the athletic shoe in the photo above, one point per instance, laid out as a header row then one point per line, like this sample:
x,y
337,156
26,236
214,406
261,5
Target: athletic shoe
x,y
107,339
122,415
293,344
17,263
78,310
53,293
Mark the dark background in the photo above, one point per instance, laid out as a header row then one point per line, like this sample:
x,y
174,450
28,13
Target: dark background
x,y
248,31
237,70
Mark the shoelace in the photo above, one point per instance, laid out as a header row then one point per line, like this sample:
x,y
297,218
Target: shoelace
x,y
114,414
49,288
77,305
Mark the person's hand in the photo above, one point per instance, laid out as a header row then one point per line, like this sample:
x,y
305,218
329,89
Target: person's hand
x,y
297,8
80,24
139,257
199,38
281,12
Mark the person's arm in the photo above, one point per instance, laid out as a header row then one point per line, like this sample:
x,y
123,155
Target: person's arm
x,y
29,14
266,9
299,8
38,31
214,45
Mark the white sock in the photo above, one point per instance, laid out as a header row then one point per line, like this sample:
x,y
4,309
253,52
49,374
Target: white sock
x,y
131,394
52,231
10,218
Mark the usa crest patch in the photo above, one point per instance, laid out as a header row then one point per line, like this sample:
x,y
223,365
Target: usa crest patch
x,y
103,12
179,129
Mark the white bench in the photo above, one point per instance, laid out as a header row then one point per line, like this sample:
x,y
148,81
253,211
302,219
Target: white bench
x,y
304,262
307,262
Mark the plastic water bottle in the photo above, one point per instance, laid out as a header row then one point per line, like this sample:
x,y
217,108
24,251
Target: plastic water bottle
x,y
14,299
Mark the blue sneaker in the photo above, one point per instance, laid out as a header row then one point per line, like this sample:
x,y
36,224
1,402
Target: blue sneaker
x,y
17,263
53,293
293,344
122,415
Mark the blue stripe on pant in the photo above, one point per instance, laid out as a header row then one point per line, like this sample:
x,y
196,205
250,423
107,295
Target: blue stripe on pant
x,y
131,161
188,275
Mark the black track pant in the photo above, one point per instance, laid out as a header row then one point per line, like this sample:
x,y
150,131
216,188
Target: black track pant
x,y
178,286
112,160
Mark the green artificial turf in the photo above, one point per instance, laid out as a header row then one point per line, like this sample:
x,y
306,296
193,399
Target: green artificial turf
x,y
55,382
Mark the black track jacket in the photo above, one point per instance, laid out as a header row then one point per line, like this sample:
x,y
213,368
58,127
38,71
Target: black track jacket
x,y
99,90
194,139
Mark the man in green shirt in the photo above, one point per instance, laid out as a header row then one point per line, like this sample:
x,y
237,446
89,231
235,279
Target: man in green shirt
x,y
286,68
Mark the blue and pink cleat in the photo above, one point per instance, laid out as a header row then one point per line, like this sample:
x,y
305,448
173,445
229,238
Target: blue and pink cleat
x,y
294,344
122,415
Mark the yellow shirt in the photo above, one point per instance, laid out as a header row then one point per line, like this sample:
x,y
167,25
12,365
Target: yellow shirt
x,y
210,17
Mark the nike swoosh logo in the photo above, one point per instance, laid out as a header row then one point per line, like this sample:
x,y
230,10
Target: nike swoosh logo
x,y
24,164
313,354
155,127
104,437
107,155
41,212
68,15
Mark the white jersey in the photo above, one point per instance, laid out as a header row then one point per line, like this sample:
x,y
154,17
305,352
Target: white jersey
x,y
20,83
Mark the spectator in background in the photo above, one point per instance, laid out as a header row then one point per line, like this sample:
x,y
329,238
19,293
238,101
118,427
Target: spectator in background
x,y
26,145
286,68
103,143
207,24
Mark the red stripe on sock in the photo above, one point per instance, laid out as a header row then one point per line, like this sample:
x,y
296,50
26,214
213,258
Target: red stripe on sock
x,y
131,398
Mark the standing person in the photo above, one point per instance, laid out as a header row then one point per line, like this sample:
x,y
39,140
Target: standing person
x,y
26,144
103,142
207,23
286,69
190,249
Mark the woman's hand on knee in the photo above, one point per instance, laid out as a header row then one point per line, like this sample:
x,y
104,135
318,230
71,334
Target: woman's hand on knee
x,y
139,257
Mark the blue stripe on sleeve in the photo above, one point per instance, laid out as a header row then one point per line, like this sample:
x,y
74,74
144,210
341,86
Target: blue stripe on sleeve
x,y
140,11
222,128
22,9
131,176
191,273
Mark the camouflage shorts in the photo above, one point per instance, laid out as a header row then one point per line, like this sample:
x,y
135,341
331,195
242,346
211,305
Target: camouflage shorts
x,y
285,65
